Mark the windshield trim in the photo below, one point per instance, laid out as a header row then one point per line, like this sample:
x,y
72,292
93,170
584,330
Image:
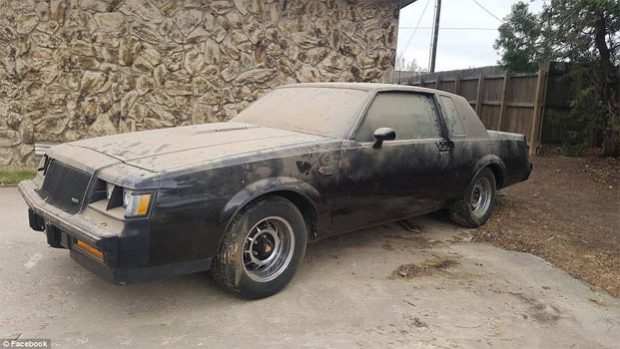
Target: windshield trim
x,y
360,117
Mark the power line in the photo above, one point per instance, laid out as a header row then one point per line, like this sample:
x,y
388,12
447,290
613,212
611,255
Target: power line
x,y
416,26
444,28
487,11
483,55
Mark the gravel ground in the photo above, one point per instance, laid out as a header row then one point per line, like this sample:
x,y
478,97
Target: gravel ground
x,y
568,212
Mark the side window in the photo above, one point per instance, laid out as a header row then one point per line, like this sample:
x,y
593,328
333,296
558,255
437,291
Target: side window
x,y
452,117
411,115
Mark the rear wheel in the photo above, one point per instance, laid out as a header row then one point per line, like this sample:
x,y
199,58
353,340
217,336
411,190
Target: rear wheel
x,y
262,249
474,209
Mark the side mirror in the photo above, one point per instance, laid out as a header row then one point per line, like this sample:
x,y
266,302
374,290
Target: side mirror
x,y
383,134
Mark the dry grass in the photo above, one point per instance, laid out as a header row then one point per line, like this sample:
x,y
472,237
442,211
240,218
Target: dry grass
x,y
569,214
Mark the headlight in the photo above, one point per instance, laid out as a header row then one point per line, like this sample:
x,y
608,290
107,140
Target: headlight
x,y
136,205
43,163
126,197
41,166
109,189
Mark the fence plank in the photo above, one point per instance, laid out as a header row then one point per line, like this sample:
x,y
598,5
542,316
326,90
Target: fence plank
x,y
512,103
479,94
502,106
543,73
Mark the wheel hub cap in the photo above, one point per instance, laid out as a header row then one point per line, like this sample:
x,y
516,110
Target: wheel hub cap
x,y
481,197
263,247
268,249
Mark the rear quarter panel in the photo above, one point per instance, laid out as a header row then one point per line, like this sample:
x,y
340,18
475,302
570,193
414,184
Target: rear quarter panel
x,y
512,149
505,152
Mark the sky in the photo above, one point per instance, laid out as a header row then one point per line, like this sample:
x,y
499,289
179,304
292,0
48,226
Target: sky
x,y
457,48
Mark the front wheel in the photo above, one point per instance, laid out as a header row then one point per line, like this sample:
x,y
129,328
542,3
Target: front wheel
x,y
262,249
474,209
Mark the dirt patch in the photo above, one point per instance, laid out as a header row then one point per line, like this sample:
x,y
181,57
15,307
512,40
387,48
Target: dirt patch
x,y
539,311
426,268
410,234
417,242
568,212
386,245
415,322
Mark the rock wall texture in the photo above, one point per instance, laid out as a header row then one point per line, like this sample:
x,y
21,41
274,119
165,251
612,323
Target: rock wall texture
x,y
71,69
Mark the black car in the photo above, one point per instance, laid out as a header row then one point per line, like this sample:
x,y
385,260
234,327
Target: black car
x,y
243,198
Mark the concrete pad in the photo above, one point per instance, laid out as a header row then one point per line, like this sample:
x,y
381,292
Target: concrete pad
x,y
345,295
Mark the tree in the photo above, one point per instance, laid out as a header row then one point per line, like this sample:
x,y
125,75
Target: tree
x,y
519,40
582,32
412,65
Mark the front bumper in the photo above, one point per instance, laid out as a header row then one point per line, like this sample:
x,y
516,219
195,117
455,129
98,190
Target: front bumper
x,y
125,256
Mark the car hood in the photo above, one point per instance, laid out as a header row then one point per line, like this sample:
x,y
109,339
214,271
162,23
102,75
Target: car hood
x,y
170,149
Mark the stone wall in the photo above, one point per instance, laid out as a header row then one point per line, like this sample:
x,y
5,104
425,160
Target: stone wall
x,y
71,69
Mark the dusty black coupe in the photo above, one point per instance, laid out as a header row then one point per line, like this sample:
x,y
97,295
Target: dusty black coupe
x,y
243,198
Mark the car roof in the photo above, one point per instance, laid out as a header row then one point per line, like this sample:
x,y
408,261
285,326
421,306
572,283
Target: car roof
x,y
366,86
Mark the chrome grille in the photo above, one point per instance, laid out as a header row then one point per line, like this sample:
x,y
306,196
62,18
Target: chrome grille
x,y
64,187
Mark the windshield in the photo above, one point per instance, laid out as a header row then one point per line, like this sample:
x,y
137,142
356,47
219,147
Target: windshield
x,y
321,111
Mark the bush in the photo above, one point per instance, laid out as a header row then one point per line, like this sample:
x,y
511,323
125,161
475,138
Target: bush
x,y
577,150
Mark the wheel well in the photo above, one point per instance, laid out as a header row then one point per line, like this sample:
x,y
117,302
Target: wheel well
x,y
305,206
499,175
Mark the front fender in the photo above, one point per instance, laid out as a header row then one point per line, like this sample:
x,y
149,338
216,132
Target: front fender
x,y
263,187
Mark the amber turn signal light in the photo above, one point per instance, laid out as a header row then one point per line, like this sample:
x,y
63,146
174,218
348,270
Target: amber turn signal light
x,y
88,248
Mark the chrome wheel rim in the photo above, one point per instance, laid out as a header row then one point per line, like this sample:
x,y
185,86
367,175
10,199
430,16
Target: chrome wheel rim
x,y
481,196
268,249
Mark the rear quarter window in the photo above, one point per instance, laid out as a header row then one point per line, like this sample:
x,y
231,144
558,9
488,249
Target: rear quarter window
x,y
453,119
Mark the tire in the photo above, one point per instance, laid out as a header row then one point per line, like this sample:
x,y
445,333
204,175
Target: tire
x,y
262,249
474,209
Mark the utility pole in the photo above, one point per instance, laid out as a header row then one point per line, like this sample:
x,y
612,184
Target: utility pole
x,y
433,55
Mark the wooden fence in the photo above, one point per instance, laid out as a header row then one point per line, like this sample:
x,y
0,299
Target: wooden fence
x,y
503,101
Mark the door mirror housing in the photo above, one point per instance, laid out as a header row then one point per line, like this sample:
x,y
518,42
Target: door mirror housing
x,y
383,134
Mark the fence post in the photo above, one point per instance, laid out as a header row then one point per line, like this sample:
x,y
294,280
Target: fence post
x,y
479,95
437,82
457,85
503,102
541,88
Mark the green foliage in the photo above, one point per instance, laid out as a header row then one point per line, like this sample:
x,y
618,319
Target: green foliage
x,y
15,175
577,150
519,40
566,127
581,124
584,33
564,30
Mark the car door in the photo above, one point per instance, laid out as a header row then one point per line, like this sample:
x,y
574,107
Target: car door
x,y
463,159
401,178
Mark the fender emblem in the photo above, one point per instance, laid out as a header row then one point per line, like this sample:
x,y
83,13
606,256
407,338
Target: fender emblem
x,y
75,200
326,170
